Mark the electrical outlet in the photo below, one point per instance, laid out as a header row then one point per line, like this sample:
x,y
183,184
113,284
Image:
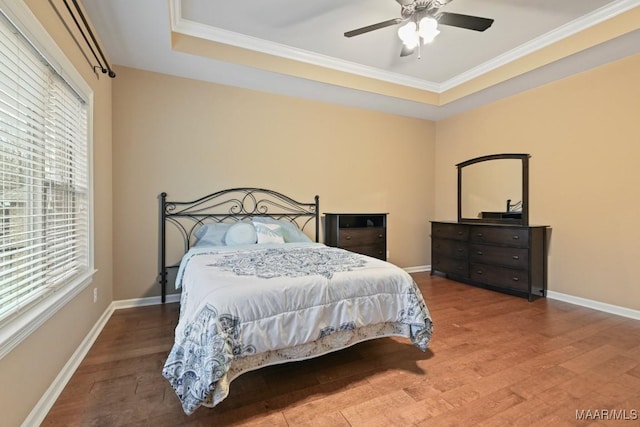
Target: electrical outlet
x,y
387,254
95,295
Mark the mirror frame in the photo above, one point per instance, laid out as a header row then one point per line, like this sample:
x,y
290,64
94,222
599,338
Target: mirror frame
x,y
524,220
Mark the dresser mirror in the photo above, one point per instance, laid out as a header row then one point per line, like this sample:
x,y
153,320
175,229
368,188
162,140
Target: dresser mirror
x,y
494,189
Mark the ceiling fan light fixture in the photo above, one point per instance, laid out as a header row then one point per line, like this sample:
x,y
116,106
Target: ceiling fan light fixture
x,y
407,32
411,33
412,41
428,29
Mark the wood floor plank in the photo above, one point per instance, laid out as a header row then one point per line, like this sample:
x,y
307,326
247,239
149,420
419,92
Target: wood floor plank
x,y
494,360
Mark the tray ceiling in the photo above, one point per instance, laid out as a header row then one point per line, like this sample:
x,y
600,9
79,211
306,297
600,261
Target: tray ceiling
x,y
298,49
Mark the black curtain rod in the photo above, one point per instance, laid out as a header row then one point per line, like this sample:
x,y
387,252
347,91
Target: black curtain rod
x,y
111,73
84,28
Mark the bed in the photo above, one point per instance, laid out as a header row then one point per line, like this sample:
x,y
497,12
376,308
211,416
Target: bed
x,y
257,291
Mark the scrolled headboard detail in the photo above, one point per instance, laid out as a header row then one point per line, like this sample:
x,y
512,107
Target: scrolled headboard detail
x,y
231,205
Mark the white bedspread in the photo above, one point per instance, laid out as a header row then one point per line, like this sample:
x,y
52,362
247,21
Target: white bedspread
x,y
244,307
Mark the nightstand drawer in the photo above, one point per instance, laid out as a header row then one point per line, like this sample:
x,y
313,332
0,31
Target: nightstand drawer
x,y
449,248
375,251
518,237
498,276
498,255
360,236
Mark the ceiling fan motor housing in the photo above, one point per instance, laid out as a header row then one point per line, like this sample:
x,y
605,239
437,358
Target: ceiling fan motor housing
x,y
427,7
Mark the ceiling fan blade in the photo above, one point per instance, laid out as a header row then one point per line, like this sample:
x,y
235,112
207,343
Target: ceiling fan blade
x,y
475,23
373,27
406,51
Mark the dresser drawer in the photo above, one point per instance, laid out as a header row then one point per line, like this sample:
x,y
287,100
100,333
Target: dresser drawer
x,y
450,231
450,248
451,266
518,237
498,255
361,236
508,278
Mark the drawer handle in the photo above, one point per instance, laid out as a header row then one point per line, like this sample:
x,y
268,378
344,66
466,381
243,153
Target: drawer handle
x,y
459,250
347,237
479,234
479,252
459,233
479,271
516,237
515,257
515,279
380,236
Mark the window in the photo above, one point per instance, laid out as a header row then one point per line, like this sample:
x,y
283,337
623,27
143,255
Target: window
x,y
45,199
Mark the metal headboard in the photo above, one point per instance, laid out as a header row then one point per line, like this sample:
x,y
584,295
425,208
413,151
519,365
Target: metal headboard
x,y
232,205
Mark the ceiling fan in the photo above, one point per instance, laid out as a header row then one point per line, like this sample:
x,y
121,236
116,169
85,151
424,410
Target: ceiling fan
x,y
421,18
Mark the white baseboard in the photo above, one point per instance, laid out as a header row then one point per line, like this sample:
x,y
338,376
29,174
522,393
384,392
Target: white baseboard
x,y
418,269
140,302
583,302
596,305
40,411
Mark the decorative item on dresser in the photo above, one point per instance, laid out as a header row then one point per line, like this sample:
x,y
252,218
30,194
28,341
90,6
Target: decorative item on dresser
x,y
363,233
491,246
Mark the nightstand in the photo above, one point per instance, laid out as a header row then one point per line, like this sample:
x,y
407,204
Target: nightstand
x,y
364,233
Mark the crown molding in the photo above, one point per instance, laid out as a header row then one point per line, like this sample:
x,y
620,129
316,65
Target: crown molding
x,y
207,32
191,28
597,16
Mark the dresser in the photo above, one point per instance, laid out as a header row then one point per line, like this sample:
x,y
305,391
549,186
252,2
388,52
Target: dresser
x,y
364,233
503,257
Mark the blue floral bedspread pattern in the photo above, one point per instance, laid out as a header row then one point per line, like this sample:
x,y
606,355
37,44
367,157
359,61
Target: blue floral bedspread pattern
x,y
207,346
226,328
279,262
348,326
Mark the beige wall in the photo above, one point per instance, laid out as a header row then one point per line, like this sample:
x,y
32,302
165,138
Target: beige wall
x,y
190,138
31,367
583,134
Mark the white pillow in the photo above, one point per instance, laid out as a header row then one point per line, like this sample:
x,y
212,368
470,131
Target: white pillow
x,y
290,230
269,233
240,233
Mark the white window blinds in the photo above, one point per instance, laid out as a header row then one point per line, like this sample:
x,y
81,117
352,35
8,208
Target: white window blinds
x,y
44,170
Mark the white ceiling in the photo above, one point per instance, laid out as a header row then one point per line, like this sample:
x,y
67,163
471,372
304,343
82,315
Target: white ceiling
x,y
137,33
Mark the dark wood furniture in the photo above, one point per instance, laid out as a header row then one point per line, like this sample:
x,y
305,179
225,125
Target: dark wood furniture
x,y
364,233
502,257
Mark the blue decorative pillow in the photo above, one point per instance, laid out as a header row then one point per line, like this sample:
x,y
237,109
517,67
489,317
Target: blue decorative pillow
x,y
290,231
211,234
269,233
241,233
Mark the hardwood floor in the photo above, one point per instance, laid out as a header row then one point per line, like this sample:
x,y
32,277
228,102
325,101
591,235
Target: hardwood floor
x,y
494,360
